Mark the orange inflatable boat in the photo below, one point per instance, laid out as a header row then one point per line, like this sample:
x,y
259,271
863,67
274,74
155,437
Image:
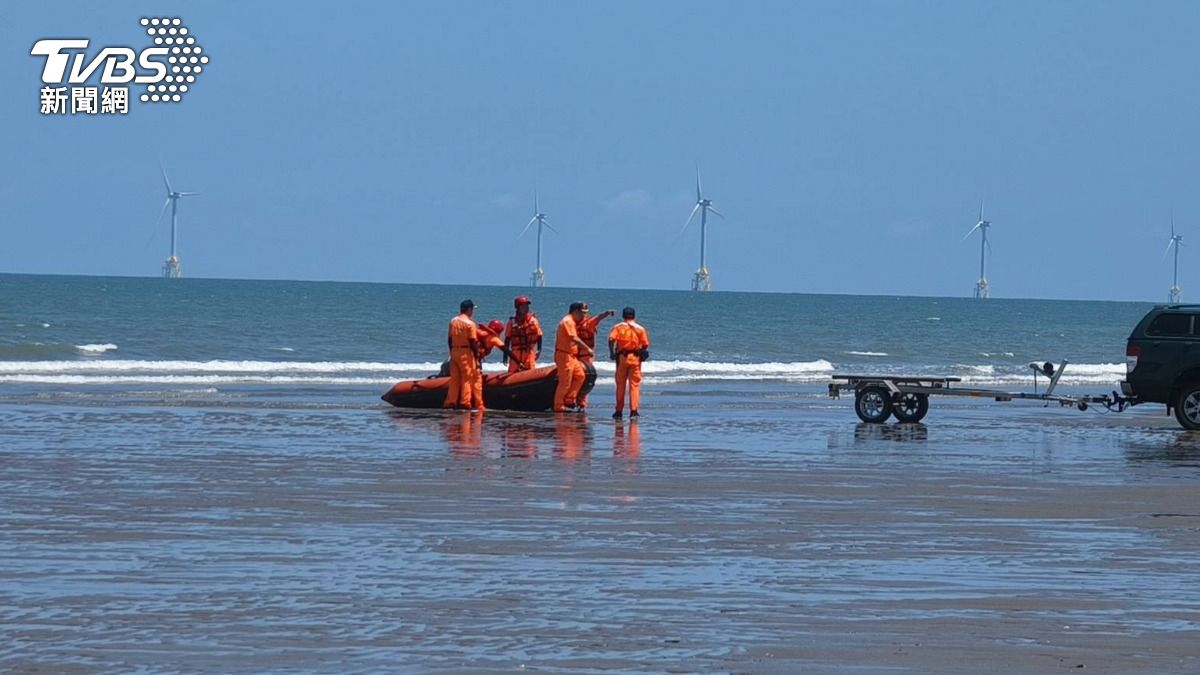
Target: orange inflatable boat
x,y
528,390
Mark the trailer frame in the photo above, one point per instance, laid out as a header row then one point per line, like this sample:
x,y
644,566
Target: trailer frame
x,y
906,397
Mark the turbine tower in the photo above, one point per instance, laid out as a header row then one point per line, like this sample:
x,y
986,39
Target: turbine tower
x,y
701,280
982,289
170,267
1176,242
538,278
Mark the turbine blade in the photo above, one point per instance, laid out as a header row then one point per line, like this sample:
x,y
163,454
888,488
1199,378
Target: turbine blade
x,y
550,227
527,225
980,210
165,181
715,211
689,220
536,209
699,192
164,211
188,194
1169,245
977,226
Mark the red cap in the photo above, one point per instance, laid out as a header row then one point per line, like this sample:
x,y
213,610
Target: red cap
x,y
520,300
495,326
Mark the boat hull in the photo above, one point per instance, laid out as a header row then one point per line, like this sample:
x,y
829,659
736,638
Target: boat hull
x,y
529,390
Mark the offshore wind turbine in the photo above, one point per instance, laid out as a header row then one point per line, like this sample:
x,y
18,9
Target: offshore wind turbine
x,y
538,278
1176,241
982,289
170,267
701,280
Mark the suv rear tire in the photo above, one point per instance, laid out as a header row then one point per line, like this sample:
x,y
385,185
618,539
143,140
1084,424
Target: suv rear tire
x,y
1187,406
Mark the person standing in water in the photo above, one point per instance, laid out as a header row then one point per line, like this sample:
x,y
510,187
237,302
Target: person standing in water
x,y
460,337
587,332
523,337
629,346
567,350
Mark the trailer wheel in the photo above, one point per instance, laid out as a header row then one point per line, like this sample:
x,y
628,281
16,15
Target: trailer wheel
x,y
1187,406
873,404
910,408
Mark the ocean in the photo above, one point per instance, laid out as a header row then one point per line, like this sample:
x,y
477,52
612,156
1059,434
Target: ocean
x,y
80,335
199,475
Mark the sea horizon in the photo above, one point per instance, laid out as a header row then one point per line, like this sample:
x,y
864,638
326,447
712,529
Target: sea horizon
x,y
580,288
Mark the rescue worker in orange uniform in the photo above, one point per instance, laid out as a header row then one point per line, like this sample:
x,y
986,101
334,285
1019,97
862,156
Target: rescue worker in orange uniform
x,y
463,344
523,336
487,338
628,345
567,350
587,332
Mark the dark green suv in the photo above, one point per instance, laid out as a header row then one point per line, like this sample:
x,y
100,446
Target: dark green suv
x,y
1162,361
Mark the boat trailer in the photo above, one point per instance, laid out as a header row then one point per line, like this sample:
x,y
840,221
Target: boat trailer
x,y
906,397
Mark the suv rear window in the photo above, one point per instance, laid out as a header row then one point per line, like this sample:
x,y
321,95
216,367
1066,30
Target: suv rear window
x,y
1170,325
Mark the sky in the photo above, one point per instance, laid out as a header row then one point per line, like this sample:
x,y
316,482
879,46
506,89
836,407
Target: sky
x,y
848,144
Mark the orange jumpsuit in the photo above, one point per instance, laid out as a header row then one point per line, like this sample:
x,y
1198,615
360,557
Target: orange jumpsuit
x,y
587,332
629,338
570,370
462,362
522,340
486,341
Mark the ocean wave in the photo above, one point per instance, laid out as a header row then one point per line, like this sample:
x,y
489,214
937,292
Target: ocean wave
x,y
119,371
96,348
852,353
216,366
37,350
191,379
222,372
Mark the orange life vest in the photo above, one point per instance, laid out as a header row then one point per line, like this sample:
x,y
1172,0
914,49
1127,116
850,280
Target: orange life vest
x,y
586,330
523,335
629,338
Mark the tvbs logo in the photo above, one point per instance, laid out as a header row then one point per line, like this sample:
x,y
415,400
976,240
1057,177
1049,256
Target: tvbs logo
x,y
168,69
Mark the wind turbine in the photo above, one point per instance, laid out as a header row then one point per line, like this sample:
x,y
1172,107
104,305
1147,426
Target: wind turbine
x,y
982,290
700,280
171,266
538,278
1176,242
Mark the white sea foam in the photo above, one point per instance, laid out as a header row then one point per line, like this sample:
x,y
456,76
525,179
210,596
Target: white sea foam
x,y
867,353
191,379
977,370
221,372
1106,374
123,366
357,372
96,348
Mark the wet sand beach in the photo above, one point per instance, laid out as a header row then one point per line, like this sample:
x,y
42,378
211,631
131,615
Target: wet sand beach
x,y
731,529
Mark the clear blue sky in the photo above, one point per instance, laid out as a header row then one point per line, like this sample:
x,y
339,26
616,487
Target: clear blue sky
x,y
848,143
